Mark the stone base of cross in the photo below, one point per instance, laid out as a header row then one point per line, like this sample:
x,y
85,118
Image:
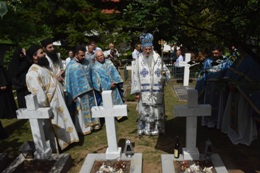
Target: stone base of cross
x,y
109,111
191,111
186,66
36,116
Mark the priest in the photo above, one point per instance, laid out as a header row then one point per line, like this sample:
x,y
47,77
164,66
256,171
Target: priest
x,y
44,84
149,75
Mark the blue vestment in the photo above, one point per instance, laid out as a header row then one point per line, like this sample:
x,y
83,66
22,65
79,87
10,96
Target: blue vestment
x,y
212,89
78,84
245,75
243,105
103,75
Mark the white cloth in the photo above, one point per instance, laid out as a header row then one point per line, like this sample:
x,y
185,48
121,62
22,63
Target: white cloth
x,y
56,68
106,53
135,54
42,83
67,61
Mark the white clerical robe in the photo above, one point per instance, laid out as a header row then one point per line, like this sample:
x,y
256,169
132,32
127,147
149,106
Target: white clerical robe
x,y
56,68
43,83
147,80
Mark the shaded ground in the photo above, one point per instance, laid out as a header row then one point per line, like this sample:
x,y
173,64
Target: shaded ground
x,y
35,166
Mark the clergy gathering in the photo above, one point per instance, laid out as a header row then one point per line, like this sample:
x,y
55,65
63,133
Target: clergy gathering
x,y
149,103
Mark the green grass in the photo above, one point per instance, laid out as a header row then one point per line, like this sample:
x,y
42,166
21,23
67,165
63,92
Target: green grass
x,y
151,147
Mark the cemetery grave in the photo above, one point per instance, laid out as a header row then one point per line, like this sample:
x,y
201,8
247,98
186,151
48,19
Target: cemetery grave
x,y
191,160
37,157
111,166
113,159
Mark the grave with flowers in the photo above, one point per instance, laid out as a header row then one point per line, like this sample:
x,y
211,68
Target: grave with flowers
x,y
113,160
192,160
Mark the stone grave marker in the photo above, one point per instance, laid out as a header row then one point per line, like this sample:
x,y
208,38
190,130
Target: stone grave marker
x,y
43,152
113,152
168,163
36,116
186,66
109,111
191,111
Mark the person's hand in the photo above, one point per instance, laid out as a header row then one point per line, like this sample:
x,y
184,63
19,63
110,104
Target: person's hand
x,y
163,73
59,78
3,88
113,85
137,97
24,51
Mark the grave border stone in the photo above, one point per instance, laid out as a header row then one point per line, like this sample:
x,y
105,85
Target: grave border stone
x,y
62,164
168,166
135,166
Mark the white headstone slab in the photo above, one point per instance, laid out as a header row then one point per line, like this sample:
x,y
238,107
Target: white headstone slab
x,y
191,111
36,116
109,111
186,66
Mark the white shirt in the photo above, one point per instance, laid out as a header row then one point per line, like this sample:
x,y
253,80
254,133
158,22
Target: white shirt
x,y
106,53
67,61
179,59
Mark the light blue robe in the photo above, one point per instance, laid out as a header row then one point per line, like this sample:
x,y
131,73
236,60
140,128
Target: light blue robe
x,y
103,75
78,84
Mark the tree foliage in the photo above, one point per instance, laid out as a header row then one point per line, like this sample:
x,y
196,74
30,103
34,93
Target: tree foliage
x,y
194,23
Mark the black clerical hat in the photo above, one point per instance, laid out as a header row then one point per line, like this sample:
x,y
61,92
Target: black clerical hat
x,y
33,50
46,42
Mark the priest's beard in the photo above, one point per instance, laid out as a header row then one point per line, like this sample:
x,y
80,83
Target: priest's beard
x,y
54,56
43,62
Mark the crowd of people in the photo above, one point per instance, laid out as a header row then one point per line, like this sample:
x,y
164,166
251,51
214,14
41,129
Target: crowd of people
x,y
73,86
70,89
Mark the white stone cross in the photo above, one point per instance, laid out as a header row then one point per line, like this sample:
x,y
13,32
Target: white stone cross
x,y
36,116
186,66
191,111
109,111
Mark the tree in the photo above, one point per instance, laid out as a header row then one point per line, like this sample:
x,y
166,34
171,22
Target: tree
x,y
199,23
194,23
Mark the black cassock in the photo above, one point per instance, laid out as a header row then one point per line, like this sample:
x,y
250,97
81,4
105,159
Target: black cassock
x,y
3,134
18,67
7,103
